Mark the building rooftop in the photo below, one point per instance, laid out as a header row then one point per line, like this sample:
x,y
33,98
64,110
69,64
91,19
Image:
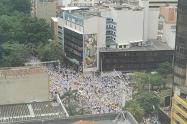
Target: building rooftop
x,y
54,19
84,14
70,8
155,46
109,118
30,111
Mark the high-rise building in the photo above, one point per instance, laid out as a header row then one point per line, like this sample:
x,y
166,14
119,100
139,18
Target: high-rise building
x,y
179,102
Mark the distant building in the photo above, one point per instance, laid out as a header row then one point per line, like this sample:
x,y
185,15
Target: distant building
x,y
87,31
167,25
124,24
44,9
153,18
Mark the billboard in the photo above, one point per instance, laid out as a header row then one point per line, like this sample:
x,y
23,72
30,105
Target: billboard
x,y
90,51
23,85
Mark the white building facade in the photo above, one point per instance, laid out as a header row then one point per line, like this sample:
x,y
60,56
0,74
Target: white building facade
x,y
84,30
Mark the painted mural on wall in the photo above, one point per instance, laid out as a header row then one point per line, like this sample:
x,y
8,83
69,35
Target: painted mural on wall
x,y
90,50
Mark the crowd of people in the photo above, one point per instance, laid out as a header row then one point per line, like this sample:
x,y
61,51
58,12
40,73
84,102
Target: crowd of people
x,y
103,93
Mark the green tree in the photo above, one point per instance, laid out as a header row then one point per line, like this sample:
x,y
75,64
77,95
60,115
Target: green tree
x,y
135,109
51,51
165,69
36,31
21,5
141,80
148,101
9,26
14,54
23,32
11,7
156,80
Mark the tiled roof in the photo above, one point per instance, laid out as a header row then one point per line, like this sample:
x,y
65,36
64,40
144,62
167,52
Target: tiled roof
x,y
30,111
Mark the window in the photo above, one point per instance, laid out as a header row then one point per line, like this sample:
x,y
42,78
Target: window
x,y
120,46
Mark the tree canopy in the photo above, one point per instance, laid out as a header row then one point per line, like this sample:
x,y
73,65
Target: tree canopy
x,y
135,109
13,7
143,80
165,68
13,54
22,36
148,100
51,51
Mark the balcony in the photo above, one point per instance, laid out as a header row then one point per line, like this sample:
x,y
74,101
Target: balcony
x,y
178,118
110,22
179,110
110,28
110,34
180,101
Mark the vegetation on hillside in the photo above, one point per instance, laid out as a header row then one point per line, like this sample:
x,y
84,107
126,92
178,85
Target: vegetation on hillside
x,y
22,36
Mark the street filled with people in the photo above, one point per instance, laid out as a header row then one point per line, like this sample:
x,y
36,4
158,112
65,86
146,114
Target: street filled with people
x,y
102,93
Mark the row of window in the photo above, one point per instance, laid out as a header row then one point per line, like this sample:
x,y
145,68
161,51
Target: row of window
x,y
74,26
73,51
74,46
122,46
110,38
128,66
73,19
137,53
68,39
73,34
110,26
72,55
180,49
180,71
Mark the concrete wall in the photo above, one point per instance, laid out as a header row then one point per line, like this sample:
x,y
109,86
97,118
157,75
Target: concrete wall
x,y
153,23
169,13
54,28
129,26
23,85
46,10
96,25
169,35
